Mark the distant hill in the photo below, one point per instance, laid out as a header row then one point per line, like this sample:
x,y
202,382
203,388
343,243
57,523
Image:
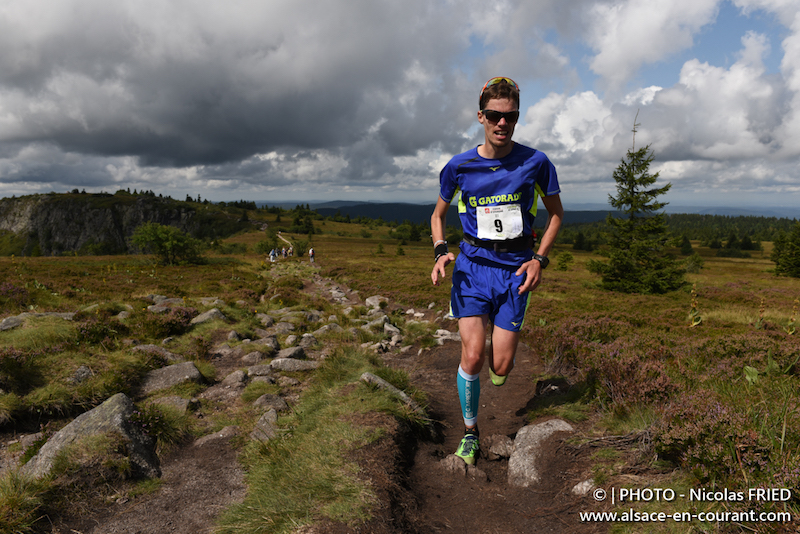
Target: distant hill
x,y
787,212
101,223
576,213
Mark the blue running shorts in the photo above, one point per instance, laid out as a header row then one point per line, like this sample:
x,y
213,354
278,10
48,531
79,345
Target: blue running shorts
x,y
480,289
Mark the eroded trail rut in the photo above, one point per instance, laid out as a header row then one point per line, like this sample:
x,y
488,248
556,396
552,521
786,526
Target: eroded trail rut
x,y
451,503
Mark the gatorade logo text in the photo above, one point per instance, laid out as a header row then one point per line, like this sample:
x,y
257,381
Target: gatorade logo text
x,y
495,199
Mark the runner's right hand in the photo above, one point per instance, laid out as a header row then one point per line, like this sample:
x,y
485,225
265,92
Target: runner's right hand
x,y
438,271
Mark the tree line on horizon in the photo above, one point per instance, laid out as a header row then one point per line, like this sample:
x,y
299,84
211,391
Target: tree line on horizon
x,y
731,236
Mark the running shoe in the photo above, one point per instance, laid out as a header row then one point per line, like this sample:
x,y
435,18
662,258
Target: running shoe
x,y
468,449
497,380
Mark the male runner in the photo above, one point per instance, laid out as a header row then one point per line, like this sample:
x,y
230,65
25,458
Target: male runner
x,y
499,182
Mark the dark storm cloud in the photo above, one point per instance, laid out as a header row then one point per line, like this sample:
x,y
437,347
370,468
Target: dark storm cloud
x,y
113,81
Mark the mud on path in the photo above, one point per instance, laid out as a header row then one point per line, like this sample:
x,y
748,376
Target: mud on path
x,y
451,503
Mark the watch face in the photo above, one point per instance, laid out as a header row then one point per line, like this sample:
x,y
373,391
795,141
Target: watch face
x,y
544,260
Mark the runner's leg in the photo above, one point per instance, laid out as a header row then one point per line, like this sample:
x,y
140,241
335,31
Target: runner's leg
x,y
503,350
473,341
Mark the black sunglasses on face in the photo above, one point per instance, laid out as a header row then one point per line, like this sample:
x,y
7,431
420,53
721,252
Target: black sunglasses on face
x,y
495,116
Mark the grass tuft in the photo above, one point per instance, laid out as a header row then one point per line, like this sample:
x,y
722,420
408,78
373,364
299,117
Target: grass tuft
x,y
308,473
21,498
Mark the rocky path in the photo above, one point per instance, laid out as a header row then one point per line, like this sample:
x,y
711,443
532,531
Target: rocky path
x,y
203,478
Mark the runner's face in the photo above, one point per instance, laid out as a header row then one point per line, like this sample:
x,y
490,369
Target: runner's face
x,y
498,134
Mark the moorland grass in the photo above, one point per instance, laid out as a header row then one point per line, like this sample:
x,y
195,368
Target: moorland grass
x,y
21,499
308,473
701,393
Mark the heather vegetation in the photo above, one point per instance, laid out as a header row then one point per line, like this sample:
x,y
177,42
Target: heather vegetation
x,y
698,386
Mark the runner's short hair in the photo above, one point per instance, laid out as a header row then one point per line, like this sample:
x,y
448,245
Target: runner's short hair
x,y
499,90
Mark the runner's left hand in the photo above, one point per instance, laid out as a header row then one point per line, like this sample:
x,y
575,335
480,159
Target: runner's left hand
x,y
533,271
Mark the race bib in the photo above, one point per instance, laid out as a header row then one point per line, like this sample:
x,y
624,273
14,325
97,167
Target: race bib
x,y
499,222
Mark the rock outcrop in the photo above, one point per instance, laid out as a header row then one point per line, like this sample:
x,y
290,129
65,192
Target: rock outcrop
x,y
99,223
114,416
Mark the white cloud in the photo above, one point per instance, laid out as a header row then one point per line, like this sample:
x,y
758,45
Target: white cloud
x,y
718,129
628,34
574,127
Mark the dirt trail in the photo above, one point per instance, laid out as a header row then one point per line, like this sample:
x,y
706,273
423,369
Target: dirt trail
x,y
451,503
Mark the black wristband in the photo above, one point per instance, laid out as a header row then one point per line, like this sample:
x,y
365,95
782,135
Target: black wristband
x,y
439,251
543,260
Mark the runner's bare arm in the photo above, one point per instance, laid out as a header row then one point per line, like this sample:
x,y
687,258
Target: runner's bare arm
x,y
438,222
555,216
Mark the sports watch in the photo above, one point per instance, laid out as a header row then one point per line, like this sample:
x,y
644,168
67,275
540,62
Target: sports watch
x,y
544,260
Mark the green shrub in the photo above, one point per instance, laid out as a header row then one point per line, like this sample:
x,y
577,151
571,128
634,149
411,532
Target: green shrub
x,y
564,261
169,244
162,423
264,246
786,252
694,263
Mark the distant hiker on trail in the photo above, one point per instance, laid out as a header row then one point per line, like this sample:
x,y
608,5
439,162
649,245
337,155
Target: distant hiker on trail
x,y
311,255
500,183
272,254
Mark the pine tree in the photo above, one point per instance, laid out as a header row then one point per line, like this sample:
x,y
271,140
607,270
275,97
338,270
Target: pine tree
x,y
638,262
786,252
686,246
580,241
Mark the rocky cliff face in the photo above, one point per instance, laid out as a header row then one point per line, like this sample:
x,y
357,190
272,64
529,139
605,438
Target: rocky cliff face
x,y
53,224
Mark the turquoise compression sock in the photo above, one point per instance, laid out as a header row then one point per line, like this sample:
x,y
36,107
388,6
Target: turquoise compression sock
x,y
469,392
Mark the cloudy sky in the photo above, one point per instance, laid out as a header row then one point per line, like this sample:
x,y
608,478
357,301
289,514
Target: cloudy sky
x,y
367,99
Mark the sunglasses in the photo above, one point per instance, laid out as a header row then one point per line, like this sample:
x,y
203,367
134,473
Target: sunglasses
x,y
499,79
495,116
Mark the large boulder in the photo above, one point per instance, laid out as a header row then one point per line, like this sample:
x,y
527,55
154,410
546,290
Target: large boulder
x,y
297,353
169,376
158,351
210,315
292,365
113,416
375,301
274,402
266,427
266,344
11,322
523,466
